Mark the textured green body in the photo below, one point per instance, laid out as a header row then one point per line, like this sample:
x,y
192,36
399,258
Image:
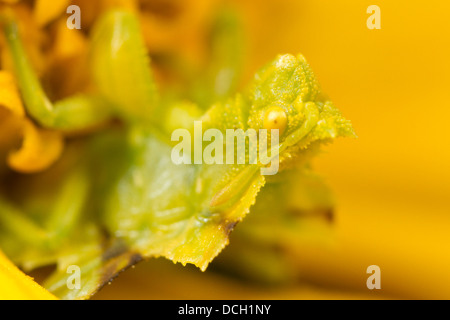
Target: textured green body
x,y
149,206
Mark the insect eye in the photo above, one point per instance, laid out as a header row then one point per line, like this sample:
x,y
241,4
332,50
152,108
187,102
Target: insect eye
x,y
275,118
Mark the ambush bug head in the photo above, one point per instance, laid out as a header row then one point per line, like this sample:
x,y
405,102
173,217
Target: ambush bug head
x,y
286,95
279,93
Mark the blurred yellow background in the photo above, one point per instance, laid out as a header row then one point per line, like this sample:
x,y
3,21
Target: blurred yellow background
x,y
392,184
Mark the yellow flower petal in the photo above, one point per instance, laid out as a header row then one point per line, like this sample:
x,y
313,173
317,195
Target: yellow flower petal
x,y
125,4
47,10
9,95
68,43
40,149
15,285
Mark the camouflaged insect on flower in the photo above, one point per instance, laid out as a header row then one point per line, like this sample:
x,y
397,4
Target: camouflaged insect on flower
x,y
151,207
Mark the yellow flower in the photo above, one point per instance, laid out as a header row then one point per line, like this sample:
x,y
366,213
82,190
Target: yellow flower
x,y
18,286
40,148
47,10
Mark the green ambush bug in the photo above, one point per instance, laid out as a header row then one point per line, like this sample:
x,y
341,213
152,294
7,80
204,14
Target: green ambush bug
x,y
120,198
